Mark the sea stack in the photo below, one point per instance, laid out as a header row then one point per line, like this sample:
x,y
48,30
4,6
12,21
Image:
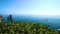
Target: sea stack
x,y
1,18
9,18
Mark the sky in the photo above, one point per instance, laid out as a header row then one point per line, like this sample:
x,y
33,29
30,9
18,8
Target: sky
x,y
30,7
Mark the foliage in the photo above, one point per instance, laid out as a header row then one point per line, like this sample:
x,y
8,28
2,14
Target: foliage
x,y
25,28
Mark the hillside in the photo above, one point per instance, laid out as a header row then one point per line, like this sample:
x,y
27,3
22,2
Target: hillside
x,y
25,28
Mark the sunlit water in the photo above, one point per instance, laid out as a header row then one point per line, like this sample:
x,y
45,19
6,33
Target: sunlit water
x,y
52,21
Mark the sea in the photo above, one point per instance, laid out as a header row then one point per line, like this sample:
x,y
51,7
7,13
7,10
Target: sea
x,y
52,21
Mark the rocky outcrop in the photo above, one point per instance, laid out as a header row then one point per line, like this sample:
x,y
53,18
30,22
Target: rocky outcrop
x,y
9,17
1,18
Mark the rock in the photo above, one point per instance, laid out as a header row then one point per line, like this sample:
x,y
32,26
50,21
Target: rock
x,y
9,17
1,18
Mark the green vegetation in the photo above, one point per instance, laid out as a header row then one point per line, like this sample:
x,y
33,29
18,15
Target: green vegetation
x,y
25,28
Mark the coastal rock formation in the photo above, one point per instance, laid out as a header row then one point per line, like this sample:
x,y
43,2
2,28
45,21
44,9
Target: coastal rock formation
x,y
1,18
9,17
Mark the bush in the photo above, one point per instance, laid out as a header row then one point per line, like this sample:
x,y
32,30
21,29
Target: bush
x,y
25,28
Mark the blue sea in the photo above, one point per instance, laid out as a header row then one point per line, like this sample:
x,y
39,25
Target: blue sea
x,y
52,21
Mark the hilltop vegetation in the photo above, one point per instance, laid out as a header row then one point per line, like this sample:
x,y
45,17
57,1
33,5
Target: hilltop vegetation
x,y
25,28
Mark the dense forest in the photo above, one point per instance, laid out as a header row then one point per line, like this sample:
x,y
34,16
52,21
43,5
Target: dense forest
x,y
25,28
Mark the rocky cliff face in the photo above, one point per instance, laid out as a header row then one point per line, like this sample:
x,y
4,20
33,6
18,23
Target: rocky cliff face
x,y
1,18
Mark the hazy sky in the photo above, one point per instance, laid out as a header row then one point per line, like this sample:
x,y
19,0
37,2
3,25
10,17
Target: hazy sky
x,y
30,7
